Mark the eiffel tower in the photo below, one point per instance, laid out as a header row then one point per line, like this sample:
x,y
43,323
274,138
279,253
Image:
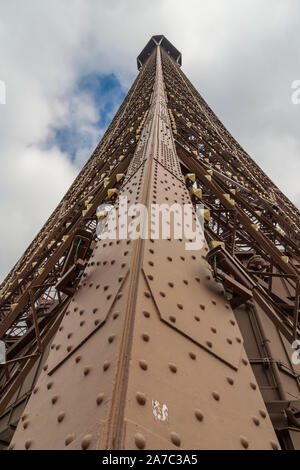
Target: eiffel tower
x,y
140,343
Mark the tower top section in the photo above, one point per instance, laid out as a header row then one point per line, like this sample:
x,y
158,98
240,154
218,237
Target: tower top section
x,y
155,41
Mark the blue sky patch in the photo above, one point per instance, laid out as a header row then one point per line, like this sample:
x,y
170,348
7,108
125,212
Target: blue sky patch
x,y
81,136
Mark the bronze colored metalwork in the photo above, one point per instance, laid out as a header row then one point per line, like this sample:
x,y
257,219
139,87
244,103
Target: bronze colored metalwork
x,y
139,343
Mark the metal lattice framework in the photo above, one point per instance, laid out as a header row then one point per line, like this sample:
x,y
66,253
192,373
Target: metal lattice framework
x,y
163,140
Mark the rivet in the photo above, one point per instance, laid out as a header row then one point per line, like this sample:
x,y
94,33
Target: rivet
x,y
209,344
24,417
106,365
28,444
49,385
253,386
173,368
141,398
245,362
147,294
69,348
230,381
146,314
145,337
256,421
77,359
36,390
202,307
244,442
61,417
95,310
100,398
140,441
25,424
263,414
111,338
199,415
180,306
172,319
274,445
45,367
69,439
216,396
143,365
54,399
86,441
87,370
192,356
229,341
175,439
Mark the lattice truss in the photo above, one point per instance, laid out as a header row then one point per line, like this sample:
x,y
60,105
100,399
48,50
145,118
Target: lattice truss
x,y
32,299
245,213
252,228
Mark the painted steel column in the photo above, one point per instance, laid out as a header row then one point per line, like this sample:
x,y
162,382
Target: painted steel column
x,y
149,354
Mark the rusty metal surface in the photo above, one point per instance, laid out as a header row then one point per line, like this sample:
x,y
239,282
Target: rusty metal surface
x,y
149,353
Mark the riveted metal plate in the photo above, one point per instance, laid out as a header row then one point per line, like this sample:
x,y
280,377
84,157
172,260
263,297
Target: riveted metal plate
x,y
211,402
182,286
139,437
101,286
165,153
67,406
93,301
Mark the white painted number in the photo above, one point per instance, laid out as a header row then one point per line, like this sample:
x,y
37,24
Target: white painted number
x,y
160,411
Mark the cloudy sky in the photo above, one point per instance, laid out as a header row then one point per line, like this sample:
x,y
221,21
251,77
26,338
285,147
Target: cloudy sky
x,y
67,65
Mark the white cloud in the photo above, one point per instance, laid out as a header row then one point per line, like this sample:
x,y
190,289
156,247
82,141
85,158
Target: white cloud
x,y
32,184
242,56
